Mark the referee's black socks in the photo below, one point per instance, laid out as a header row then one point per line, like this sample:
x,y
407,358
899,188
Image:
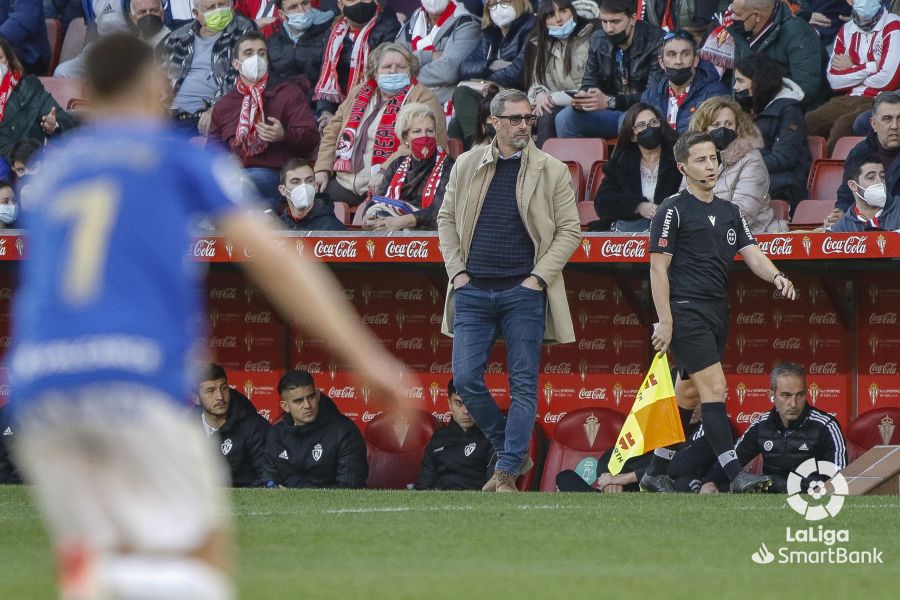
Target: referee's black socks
x,y
659,464
717,430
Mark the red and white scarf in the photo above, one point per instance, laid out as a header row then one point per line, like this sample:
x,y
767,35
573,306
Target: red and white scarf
x,y
431,184
386,141
7,85
328,87
247,141
422,39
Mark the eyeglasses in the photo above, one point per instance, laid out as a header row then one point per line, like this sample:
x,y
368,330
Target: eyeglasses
x,y
641,126
517,119
500,3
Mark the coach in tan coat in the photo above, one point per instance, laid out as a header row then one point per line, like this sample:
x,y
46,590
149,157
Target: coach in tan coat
x,y
507,226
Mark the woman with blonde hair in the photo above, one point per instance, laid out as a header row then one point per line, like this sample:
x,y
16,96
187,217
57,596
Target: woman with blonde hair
x,y
744,179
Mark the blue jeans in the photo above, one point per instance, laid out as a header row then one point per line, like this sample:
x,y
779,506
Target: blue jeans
x,y
266,181
517,316
571,123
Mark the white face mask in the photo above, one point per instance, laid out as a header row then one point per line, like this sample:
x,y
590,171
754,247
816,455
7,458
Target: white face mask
x,y
503,16
254,68
8,213
4,69
303,196
435,7
875,195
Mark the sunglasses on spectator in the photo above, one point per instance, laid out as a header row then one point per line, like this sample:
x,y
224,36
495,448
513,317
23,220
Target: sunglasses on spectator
x,y
517,119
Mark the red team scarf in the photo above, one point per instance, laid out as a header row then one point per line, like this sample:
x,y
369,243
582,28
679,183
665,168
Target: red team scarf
x,y
328,87
9,83
247,141
422,39
386,142
431,185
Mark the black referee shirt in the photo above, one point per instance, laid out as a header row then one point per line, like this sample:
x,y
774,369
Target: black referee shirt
x,y
702,239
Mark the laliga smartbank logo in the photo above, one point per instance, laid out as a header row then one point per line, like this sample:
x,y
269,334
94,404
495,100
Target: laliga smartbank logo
x,y
825,502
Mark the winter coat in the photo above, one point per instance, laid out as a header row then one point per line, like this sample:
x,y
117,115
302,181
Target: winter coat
x,y
786,152
620,191
455,460
888,219
286,102
845,198
792,43
456,40
287,59
556,78
642,64
242,441
22,25
495,46
320,218
705,85
25,107
327,453
426,218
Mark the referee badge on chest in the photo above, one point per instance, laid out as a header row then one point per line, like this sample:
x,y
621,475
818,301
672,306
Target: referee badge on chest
x,y
731,236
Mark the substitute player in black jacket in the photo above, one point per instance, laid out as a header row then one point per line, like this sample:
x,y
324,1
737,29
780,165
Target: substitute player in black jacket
x,y
694,237
458,455
314,445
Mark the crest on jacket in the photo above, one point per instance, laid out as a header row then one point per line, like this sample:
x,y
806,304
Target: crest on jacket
x,y
226,446
317,452
470,449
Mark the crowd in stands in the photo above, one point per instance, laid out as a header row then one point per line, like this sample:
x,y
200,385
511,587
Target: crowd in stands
x,y
329,82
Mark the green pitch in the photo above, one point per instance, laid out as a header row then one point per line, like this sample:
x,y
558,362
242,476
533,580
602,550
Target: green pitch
x,y
394,545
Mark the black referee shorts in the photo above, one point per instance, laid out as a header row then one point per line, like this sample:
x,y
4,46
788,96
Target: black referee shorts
x,y
699,334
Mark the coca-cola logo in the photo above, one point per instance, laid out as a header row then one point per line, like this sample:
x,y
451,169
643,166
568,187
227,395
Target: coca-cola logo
x,y
753,417
442,417
755,368
558,368
826,368
854,244
340,249
376,318
786,343
349,294
494,368
756,318
345,393
415,343
416,393
594,344
828,318
204,248
407,295
630,319
262,316
413,249
444,367
888,368
368,416
633,248
258,365
310,367
627,369
436,319
597,295
554,417
594,394
778,246
229,341
229,293
888,318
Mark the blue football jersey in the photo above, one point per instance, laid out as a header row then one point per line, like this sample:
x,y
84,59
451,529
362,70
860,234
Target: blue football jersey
x,y
107,291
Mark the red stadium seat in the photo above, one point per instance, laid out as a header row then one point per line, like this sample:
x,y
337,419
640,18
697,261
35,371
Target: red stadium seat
x,y
577,175
342,212
63,90
54,36
844,145
73,43
394,446
586,432
825,178
584,151
596,178
810,214
586,213
455,147
526,481
818,147
782,209
877,427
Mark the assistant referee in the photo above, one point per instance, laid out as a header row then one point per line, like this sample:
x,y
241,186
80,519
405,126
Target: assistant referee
x,y
694,238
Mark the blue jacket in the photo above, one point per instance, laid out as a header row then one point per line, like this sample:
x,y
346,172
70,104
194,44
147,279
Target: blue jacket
x,y
22,25
493,46
705,85
888,220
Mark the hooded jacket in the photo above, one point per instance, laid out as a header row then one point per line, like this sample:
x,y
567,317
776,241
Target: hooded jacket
x,y
869,145
320,218
888,219
786,150
495,46
242,441
705,85
327,453
455,459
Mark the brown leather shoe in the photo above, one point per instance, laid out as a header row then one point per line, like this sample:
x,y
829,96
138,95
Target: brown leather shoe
x,y
491,485
506,482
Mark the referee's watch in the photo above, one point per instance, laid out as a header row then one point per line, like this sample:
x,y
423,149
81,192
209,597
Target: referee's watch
x,y
777,275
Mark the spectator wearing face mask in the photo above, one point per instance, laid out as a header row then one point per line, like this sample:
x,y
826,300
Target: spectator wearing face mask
x,y
102,18
873,209
865,61
9,208
297,45
148,20
263,125
305,209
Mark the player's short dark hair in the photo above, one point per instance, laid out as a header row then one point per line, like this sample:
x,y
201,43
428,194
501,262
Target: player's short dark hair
x,y
687,141
451,388
627,7
211,372
24,150
854,164
115,62
786,369
295,379
247,37
294,163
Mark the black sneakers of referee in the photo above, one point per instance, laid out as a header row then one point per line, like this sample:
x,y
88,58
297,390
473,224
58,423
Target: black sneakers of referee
x,y
661,484
748,483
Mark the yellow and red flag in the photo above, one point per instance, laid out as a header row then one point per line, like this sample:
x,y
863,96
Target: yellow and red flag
x,y
653,421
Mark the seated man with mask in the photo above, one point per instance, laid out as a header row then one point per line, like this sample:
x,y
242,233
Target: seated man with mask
x,y
305,209
873,210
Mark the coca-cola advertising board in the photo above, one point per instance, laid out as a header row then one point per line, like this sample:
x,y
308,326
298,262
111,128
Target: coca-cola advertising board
x,y
878,314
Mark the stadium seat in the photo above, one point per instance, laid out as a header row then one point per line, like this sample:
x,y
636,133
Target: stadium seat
x,y
586,213
825,178
844,145
782,209
455,147
577,175
73,43
63,90
395,444
584,151
595,179
818,147
342,212
586,432
526,481
810,214
54,36
880,426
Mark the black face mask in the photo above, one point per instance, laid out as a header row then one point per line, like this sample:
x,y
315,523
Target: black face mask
x,y
149,25
650,138
679,76
722,137
620,38
743,98
361,12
